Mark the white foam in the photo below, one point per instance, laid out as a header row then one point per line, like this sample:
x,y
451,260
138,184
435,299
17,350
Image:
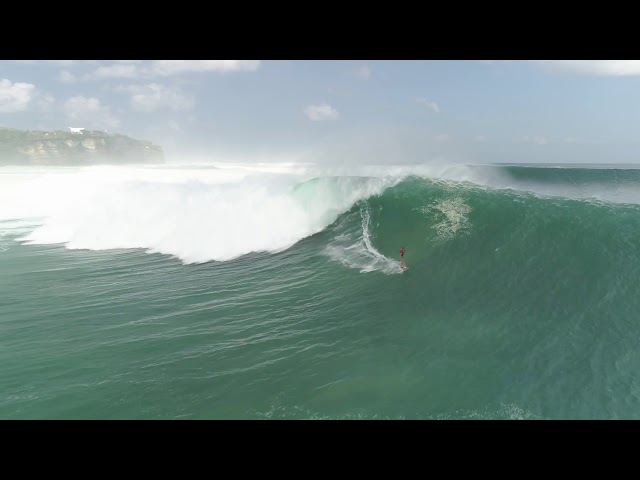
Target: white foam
x,y
357,251
453,217
195,214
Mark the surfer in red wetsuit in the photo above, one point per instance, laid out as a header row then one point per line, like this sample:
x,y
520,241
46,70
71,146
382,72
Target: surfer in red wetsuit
x,y
402,256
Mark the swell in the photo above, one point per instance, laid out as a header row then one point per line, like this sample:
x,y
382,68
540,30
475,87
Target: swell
x,y
619,184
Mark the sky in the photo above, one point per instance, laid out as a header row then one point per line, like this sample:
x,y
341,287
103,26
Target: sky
x,y
376,112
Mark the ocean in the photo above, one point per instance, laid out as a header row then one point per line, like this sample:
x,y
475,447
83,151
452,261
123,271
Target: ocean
x,y
274,291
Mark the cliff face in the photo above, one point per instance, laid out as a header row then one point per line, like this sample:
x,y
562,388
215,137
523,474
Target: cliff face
x,y
65,148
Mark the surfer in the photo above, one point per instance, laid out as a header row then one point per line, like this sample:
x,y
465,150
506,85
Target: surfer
x,y
402,256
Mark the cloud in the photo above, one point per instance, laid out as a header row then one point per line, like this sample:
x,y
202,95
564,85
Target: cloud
x,y
83,110
15,97
495,62
20,97
363,72
538,140
173,67
442,137
51,62
157,68
64,63
65,76
432,105
592,67
480,139
119,70
320,112
151,97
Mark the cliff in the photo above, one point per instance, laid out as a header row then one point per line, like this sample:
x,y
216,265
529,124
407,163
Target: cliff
x,y
59,147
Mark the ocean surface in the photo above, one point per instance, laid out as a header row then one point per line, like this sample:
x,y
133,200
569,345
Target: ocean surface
x,y
274,291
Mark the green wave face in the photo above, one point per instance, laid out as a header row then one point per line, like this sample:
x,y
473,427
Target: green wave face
x,y
487,240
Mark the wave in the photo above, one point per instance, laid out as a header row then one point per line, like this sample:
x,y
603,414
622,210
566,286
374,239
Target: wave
x,y
445,223
366,214
609,183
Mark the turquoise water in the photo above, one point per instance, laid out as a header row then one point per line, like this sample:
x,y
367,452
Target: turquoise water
x,y
160,294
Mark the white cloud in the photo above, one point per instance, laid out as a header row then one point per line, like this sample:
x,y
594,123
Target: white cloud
x,y
320,112
616,68
51,62
442,137
480,138
151,97
172,67
432,105
15,97
593,67
173,126
119,70
20,96
65,63
83,110
363,72
538,140
156,68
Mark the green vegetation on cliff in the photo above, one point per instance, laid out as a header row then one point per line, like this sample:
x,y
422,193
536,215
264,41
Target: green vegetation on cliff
x,y
87,147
